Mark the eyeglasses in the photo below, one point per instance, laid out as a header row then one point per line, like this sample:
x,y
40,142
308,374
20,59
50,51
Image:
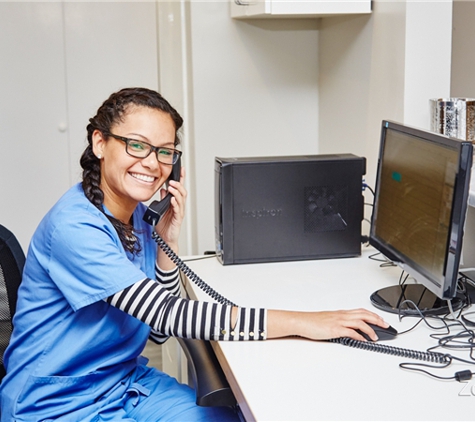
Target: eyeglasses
x,y
140,149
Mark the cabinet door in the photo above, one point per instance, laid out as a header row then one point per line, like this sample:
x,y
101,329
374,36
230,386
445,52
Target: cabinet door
x,y
109,46
297,8
34,161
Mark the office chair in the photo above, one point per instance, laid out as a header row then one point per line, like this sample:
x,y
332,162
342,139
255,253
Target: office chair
x,y
208,378
12,260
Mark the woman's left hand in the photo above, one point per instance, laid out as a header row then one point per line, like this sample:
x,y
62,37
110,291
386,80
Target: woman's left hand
x,y
170,224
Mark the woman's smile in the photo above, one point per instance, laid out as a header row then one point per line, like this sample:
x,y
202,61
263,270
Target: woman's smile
x,y
143,177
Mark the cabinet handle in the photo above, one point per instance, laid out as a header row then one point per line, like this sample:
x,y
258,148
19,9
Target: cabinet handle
x,y
241,3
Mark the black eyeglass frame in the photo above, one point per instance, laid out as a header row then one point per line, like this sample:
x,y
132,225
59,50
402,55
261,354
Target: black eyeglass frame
x,y
176,153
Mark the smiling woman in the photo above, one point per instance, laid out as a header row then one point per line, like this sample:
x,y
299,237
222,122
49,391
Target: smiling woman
x,y
126,179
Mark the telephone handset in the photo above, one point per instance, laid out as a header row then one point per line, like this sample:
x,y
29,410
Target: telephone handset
x,y
152,216
157,209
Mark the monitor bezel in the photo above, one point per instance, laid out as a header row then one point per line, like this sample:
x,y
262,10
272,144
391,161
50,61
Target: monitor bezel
x,y
448,288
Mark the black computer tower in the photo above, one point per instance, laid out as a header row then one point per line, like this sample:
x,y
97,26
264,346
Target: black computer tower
x,y
270,209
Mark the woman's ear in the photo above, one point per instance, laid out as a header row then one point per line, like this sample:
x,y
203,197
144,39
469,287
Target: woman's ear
x,y
98,141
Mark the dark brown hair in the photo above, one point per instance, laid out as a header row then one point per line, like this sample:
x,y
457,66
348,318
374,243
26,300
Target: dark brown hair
x,y
111,112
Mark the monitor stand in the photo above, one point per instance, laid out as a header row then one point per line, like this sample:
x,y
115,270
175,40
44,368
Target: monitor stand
x,y
390,299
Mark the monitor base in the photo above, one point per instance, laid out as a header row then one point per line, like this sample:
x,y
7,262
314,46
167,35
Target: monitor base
x,y
392,299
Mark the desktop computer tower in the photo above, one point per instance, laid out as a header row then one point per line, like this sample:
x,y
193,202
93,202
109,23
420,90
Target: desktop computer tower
x,y
271,209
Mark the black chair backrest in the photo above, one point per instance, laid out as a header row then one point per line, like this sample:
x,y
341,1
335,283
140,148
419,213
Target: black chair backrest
x,y
12,261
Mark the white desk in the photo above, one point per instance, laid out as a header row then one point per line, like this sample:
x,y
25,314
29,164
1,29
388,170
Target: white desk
x,y
297,379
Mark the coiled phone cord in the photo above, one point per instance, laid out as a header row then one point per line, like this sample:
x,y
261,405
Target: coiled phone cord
x,y
434,357
189,272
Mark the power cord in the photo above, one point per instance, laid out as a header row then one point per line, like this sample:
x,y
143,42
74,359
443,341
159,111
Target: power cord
x,y
459,341
366,186
365,238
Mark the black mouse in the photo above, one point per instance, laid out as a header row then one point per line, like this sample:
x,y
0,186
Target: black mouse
x,y
388,333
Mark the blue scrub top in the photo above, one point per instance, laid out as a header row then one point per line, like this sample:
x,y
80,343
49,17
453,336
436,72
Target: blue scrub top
x,y
69,348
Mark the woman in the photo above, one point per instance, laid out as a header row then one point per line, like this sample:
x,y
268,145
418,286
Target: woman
x,y
95,288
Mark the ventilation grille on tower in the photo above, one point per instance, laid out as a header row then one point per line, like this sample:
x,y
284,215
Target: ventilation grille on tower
x,y
326,208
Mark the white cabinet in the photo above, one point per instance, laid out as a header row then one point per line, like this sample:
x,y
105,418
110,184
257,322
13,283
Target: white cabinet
x,y
242,9
34,160
59,61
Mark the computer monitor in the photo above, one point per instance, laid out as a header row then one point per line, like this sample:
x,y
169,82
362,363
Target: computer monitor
x,y
420,204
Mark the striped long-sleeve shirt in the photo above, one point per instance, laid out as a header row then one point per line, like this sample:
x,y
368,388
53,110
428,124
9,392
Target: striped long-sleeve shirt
x,y
158,304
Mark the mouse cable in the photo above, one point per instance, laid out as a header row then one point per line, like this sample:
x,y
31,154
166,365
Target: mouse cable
x,y
394,351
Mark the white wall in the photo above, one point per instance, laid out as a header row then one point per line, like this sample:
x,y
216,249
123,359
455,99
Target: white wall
x,y
108,46
383,66
255,92
252,90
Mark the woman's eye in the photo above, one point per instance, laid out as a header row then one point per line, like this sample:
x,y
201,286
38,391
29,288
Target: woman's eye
x,y
137,146
165,152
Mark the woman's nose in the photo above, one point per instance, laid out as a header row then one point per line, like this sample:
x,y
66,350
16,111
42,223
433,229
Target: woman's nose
x,y
151,161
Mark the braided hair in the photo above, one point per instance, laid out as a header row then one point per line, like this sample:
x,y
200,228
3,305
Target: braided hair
x,y
111,112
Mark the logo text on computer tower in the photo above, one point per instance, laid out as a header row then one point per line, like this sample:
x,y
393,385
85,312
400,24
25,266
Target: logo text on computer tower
x,y
261,213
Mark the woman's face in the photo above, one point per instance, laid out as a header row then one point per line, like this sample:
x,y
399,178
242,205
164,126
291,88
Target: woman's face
x,y
127,180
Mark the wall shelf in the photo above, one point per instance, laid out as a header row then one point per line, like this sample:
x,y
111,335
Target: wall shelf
x,y
258,9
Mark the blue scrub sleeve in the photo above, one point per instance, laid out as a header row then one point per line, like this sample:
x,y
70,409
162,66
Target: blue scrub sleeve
x,y
88,263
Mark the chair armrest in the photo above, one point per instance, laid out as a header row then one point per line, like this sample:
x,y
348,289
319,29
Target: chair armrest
x,y
209,381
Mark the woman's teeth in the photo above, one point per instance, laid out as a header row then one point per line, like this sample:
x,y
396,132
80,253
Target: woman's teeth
x,y
143,177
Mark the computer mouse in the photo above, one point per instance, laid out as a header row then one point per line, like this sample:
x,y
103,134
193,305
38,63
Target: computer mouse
x,y
388,333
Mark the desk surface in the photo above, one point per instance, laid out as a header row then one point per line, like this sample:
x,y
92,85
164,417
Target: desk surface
x,y
298,379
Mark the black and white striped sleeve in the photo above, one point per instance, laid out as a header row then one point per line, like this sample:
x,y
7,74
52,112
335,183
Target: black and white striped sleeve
x,y
168,279
169,315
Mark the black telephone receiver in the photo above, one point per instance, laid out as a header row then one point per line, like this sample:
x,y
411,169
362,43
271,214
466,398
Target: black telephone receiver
x,y
157,209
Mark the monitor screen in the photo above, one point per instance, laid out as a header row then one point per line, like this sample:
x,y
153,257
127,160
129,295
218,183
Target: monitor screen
x,y
420,204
